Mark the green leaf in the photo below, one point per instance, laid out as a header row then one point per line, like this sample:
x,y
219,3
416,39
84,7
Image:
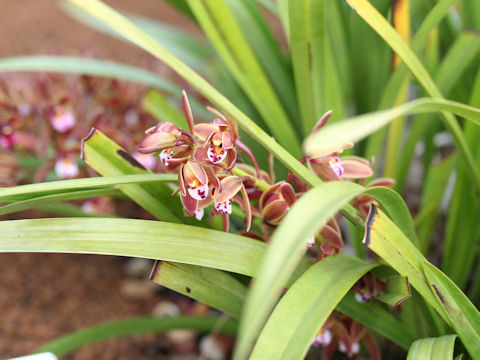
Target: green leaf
x,y
300,314
330,138
432,195
49,199
377,319
212,287
463,315
439,348
25,192
397,290
76,65
135,326
135,238
388,33
463,52
302,55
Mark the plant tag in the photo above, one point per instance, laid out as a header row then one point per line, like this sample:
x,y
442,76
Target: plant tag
x,y
42,356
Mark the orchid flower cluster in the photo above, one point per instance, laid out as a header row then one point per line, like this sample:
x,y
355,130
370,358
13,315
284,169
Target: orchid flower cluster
x,y
204,157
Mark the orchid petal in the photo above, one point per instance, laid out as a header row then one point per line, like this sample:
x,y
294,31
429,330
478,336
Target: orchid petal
x,y
356,168
288,193
231,185
156,142
197,171
203,131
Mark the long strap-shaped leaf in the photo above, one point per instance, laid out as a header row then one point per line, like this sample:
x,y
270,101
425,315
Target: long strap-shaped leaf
x,y
135,326
386,31
463,315
77,65
288,244
334,136
292,326
136,238
440,348
23,192
55,198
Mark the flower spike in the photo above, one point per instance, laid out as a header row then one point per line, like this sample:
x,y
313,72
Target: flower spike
x,y
188,111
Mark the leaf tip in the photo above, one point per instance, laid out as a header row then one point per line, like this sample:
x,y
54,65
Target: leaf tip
x,y
368,224
84,140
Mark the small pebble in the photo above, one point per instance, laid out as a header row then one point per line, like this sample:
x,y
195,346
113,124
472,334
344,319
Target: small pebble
x,y
137,289
138,268
165,308
211,349
180,336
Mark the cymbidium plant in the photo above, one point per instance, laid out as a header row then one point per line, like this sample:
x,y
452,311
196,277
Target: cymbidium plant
x,y
332,249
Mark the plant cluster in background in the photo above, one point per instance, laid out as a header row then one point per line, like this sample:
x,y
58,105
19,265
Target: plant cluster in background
x,y
45,116
333,252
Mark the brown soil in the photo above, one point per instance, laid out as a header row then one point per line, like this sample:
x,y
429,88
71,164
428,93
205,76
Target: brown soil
x,y
45,296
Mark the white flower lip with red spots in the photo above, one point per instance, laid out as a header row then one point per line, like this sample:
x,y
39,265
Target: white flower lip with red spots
x,y
216,154
165,156
198,193
224,207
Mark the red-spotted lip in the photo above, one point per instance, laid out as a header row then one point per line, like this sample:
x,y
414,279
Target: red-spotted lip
x,y
198,193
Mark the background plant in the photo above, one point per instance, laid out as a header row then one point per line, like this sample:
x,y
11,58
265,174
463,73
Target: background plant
x,y
336,60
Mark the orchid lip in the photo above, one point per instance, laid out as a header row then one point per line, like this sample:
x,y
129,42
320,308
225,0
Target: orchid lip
x,y
323,338
224,207
199,214
165,156
216,154
198,193
336,165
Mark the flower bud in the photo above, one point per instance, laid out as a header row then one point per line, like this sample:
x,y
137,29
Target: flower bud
x,y
276,201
